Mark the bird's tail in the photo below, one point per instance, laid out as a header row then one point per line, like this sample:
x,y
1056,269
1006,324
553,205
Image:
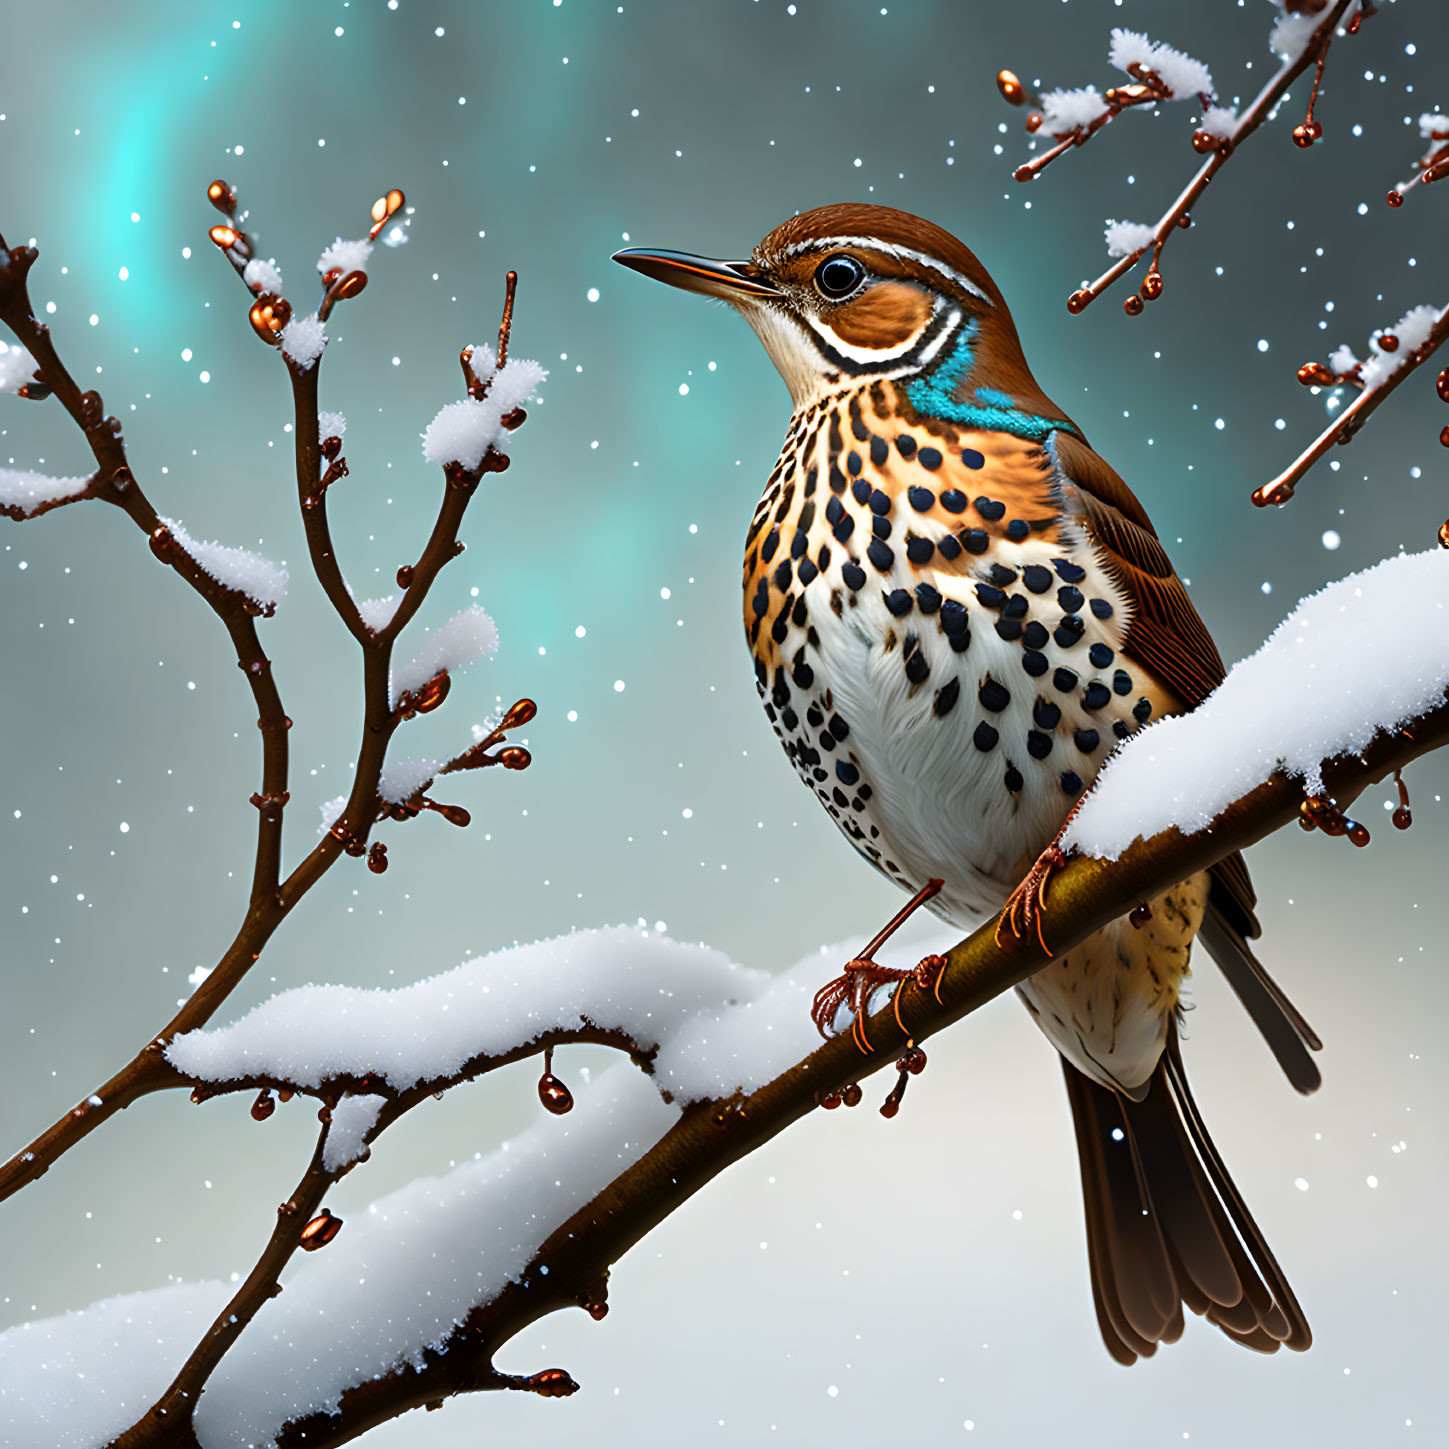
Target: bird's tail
x,y
1167,1228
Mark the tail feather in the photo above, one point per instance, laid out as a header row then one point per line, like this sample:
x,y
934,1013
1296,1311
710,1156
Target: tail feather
x,y
1167,1228
1288,1034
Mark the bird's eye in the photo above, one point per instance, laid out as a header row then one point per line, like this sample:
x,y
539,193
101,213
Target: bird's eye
x,y
838,277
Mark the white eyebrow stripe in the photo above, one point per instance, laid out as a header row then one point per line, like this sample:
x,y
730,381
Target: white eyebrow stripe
x,y
905,253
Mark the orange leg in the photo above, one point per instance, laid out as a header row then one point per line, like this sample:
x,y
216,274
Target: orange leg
x,y
862,976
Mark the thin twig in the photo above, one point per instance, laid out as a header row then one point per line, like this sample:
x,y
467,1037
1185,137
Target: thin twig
x,y
1351,419
1177,215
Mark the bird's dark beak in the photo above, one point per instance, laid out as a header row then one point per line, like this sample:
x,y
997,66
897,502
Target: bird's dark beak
x,y
730,281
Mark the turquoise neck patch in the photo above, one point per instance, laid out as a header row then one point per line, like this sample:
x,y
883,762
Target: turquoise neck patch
x,y
993,412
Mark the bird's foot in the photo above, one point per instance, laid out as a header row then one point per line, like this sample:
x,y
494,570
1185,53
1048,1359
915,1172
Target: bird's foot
x,y
863,976
1026,906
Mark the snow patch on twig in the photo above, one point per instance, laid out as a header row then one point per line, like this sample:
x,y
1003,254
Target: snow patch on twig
x,y
17,367
1290,706
463,431
1126,237
1292,32
262,581
331,813
262,276
303,339
403,780
1220,122
1434,126
352,1119
1065,111
1412,329
377,613
331,425
345,256
1179,72
20,488
468,636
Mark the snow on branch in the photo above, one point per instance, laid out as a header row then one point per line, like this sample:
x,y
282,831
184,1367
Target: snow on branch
x,y
464,431
1161,73
262,581
345,256
468,636
303,339
17,368
646,988
403,779
24,494
1289,707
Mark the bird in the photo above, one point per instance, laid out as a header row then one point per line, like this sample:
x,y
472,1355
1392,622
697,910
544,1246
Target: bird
x,y
957,609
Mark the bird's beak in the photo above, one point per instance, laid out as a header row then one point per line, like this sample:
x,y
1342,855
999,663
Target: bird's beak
x,y
730,281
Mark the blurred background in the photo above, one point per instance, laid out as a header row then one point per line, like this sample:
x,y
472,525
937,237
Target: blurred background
x,y
544,136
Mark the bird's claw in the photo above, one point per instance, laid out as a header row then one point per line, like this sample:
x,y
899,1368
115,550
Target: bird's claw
x,y
1026,906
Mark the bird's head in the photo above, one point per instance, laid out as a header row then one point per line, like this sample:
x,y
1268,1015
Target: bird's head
x,y
851,294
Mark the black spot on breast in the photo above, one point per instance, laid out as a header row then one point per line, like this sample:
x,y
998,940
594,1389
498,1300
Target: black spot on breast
x,y
920,498
1071,782
906,445
1142,710
1001,576
840,798
812,474
1037,578
1017,530
977,540
1046,714
1069,598
771,543
857,423
880,502
899,602
1034,635
878,451
972,459
761,602
1069,632
954,619
853,575
806,571
802,674
1086,740
1038,745
784,576
880,527
1064,680
880,555
837,480
852,462
1016,607
1096,695
919,550
799,543
985,737
990,596
838,727
929,458
844,528
993,696
1100,655
1101,608
946,697
1069,572
990,509
823,557
860,489
918,669
948,548
790,719
927,599
799,613
1013,780
846,772
1008,629
1033,662
953,501
786,498
1121,682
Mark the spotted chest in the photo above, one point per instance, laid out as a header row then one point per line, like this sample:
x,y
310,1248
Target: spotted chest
x,y
936,642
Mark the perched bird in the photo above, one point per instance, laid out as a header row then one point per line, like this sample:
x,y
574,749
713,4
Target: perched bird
x,y
956,610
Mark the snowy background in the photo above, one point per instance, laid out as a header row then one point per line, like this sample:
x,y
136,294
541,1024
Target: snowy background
x,y
545,136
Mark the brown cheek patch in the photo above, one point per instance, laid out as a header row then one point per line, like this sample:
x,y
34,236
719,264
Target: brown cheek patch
x,y
883,316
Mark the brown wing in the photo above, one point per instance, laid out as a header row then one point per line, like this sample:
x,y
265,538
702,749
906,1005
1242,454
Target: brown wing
x,y
1165,635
